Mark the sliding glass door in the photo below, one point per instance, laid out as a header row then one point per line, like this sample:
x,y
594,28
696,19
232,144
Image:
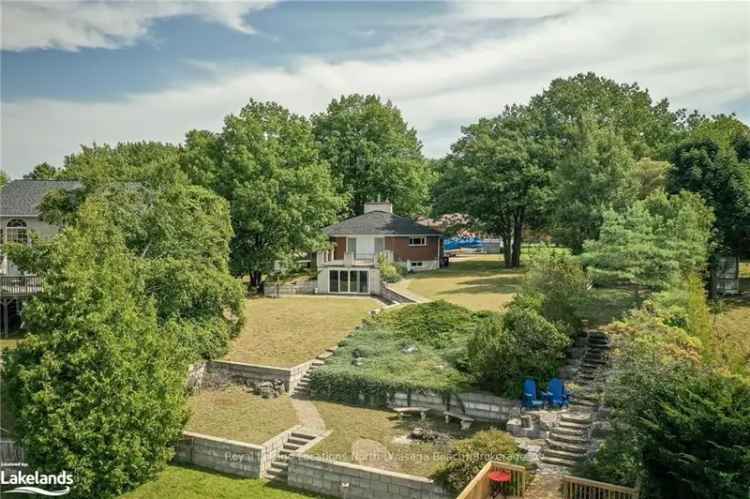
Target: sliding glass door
x,y
348,281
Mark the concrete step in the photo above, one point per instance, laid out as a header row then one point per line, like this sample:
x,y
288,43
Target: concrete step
x,y
568,439
305,436
572,432
324,355
291,447
580,419
568,425
561,454
274,473
574,448
297,441
557,461
583,402
316,363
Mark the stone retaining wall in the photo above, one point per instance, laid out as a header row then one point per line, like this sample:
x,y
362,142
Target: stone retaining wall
x,y
345,480
239,372
220,454
480,406
390,295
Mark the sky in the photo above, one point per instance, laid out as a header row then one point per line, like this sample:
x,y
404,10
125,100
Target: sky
x,y
77,72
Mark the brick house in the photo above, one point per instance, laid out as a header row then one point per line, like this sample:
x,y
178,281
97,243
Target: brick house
x,y
351,265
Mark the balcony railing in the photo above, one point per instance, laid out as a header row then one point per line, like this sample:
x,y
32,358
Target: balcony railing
x,y
481,487
19,285
352,259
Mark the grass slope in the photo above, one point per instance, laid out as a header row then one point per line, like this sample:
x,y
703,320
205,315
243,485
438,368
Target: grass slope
x,y
237,415
284,332
477,282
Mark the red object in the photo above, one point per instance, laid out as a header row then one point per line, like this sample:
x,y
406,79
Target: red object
x,y
499,476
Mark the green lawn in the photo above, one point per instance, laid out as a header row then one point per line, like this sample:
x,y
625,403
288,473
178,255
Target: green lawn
x,y
287,331
605,305
350,424
179,482
477,282
234,414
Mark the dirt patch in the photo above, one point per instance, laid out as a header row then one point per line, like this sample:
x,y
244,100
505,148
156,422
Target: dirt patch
x,y
371,453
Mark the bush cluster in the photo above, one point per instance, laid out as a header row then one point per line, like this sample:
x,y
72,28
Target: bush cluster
x,y
389,271
467,457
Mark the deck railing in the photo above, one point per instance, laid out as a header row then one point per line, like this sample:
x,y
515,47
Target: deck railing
x,y
581,488
19,285
481,487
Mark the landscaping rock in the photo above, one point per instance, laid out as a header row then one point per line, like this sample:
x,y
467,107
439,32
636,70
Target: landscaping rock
x,y
601,429
409,349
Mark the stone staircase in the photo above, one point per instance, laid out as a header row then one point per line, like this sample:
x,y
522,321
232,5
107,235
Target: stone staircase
x,y
570,440
278,468
302,389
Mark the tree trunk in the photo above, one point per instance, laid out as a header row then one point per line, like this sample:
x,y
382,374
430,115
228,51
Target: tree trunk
x,y
256,280
507,250
517,240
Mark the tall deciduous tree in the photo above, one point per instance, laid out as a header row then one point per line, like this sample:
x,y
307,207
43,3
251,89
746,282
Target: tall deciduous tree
x,y
97,387
4,179
716,165
281,193
127,161
43,171
498,174
647,128
373,153
593,174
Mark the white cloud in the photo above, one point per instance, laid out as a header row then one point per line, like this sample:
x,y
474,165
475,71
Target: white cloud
x,y
696,55
71,25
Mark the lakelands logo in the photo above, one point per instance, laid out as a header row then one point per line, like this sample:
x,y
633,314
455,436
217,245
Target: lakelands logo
x,y
30,483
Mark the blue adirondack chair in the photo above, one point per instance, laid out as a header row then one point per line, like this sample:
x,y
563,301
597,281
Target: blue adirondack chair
x,y
556,395
529,400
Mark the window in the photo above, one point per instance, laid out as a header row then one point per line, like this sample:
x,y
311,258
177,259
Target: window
x,y
416,264
348,281
417,241
16,232
333,281
351,245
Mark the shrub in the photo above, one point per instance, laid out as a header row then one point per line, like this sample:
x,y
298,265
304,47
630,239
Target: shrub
x,y
467,457
437,323
555,286
389,271
523,344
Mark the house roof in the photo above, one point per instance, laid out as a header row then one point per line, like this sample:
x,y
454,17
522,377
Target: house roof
x,y
21,198
379,223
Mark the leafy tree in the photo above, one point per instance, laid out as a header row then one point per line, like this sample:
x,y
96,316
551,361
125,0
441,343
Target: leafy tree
x,y
703,166
373,153
97,387
652,243
280,192
647,128
593,175
522,344
650,176
497,173
182,233
43,171
127,161
4,179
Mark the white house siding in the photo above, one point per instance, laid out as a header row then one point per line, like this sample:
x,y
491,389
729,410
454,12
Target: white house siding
x,y
42,229
373,280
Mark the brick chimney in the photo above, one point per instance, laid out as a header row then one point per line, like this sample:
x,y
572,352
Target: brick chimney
x,y
379,206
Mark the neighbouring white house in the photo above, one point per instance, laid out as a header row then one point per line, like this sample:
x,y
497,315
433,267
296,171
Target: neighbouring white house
x,y
350,266
19,219
19,214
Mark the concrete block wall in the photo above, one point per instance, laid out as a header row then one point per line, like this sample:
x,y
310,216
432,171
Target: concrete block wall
x,y
272,446
240,372
220,454
480,406
337,479
389,294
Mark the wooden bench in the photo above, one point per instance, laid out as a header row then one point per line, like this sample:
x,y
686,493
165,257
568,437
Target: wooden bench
x,y
412,410
463,419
